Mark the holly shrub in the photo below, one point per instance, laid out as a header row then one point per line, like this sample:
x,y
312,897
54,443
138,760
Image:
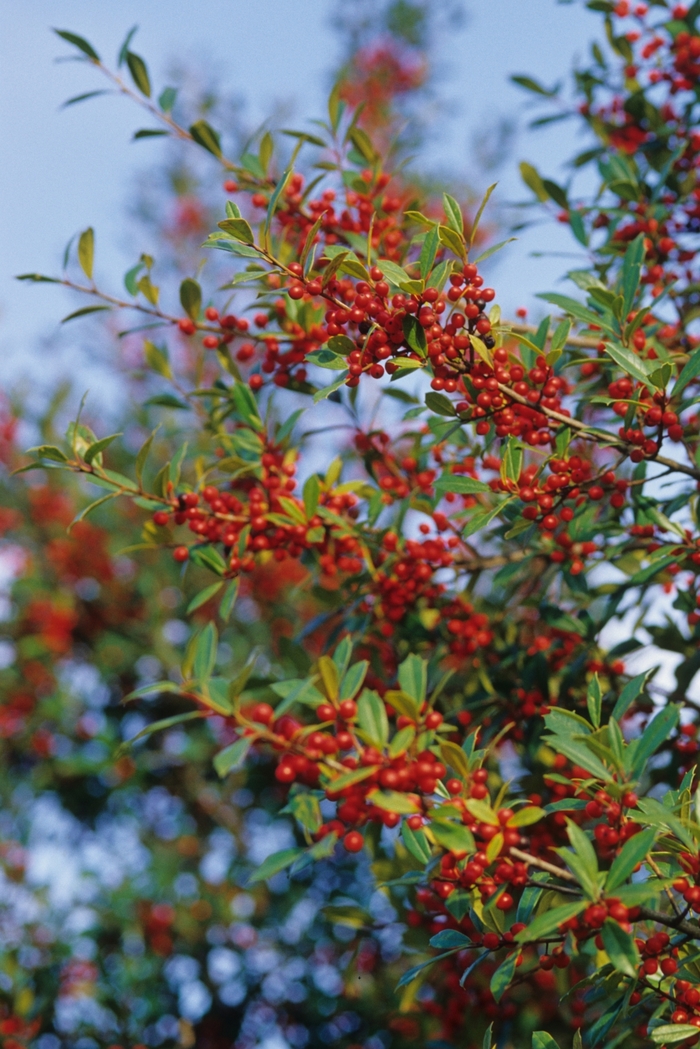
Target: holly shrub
x,y
418,541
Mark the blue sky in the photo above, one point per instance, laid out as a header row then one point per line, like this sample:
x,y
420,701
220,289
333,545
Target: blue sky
x,y
66,169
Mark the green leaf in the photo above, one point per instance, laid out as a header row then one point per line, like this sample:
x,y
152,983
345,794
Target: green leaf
x,y
312,491
480,520
157,359
428,252
306,810
205,136
50,451
594,700
628,360
274,864
512,462
372,718
203,596
449,938
416,842
453,241
139,73
352,680
579,754
167,400
691,370
533,180
150,132
37,278
191,297
205,652
576,309
349,779
86,251
414,334
583,861
503,976
229,600
166,99
239,229
632,690
304,136
208,557
631,272
411,974
394,273
361,141
124,49
666,1033
413,677
402,741
441,405
453,213
326,391
393,801
232,757
541,1039
633,852
160,726
83,98
460,485
79,42
477,217
274,200
656,732
533,85
99,446
143,455
549,921
621,948
84,312
493,249
453,836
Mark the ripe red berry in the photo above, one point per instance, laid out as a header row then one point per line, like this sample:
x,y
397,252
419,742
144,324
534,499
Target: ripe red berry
x,y
161,517
181,553
348,709
353,841
504,901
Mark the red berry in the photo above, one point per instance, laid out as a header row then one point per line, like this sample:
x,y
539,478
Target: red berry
x,y
181,553
348,709
353,841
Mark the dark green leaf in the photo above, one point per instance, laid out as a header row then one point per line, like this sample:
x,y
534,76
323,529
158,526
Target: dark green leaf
x,y
691,370
205,136
99,446
633,852
83,312
205,652
79,42
83,98
503,976
437,402
620,948
139,73
203,596
191,297
632,690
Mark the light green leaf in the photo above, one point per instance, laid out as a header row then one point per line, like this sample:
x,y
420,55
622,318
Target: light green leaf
x,y
232,757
